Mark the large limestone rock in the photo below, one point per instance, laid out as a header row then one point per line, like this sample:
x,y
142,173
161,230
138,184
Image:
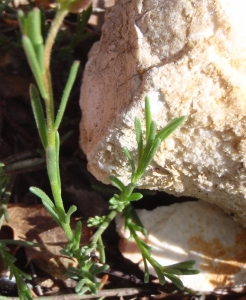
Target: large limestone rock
x,y
192,230
189,56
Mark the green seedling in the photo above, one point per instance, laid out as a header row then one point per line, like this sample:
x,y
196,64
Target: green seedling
x,y
48,121
122,202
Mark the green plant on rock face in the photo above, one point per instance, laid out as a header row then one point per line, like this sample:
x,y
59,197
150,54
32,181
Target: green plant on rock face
x,y
122,202
48,123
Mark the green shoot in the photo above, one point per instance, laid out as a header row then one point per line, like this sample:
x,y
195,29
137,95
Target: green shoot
x,y
9,260
48,121
121,202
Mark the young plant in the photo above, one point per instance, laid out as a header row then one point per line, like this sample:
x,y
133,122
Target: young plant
x,y
48,122
121,202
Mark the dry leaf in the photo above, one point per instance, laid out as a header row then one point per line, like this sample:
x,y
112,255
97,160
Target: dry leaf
x,y
34,224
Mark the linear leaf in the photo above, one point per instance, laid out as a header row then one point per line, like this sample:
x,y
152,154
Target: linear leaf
x,y
175,280
38,114
77,233
117,183
70,211
151,154
159,274
66,93
147,116
34,64
57,159
170,127
139,137
22,21
151,137
34,28
41,194
134,197
128,155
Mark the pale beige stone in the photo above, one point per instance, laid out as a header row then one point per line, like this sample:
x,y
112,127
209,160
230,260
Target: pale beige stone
x,y
192,231
190,57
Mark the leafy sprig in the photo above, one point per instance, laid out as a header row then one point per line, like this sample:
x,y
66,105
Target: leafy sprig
x,y
121,202
38,54
182,268
9,260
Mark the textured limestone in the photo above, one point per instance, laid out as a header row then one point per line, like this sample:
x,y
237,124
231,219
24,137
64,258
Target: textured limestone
x,y
190,57
193,230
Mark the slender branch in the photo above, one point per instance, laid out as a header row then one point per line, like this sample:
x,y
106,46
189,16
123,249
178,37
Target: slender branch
x,y
104,293
61,13
103,226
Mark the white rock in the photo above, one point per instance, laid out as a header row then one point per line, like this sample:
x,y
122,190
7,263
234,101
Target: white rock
x,y
190,57
193,230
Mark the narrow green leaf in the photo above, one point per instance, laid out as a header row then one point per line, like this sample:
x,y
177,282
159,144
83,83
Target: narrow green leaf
x,y
151,137
26,276
34,64
20,243
34,28
22,21
117,183
190,272
82,291
24,164
41,194
146,246
139,137
129,189
155,146
147,116
80,285
146,271
175,280
137,220
83,19
182,265
170,127
57,159
100,269
53,213
70,211
38,114
173,271
66,93
134,197
128,155
149,158
78,230
149,145
48,204
159,274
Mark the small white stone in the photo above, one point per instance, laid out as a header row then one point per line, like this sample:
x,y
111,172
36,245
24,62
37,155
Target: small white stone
x,y
192,231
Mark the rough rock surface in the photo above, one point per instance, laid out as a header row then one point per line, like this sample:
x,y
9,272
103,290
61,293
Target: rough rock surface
x,y
193,230
190,57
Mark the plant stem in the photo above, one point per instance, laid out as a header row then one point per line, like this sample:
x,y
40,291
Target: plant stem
x,y
52,151
60,15
104,293
103,227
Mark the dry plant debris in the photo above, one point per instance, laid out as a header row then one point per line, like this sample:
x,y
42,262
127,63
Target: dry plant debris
x,y
33,223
